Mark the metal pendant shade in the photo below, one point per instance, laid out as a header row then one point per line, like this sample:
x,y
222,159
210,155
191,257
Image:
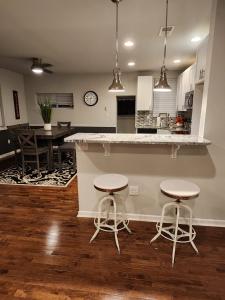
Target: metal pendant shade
x,y
162,85
116,85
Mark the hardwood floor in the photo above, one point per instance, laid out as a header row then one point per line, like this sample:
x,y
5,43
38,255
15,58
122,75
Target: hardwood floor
x,y
45,255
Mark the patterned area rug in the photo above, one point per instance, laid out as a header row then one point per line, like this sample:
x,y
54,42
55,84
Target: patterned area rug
x,y
13,175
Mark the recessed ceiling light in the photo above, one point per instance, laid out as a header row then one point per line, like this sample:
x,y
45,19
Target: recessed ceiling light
x,y
177,61
129,44
131,63
196,39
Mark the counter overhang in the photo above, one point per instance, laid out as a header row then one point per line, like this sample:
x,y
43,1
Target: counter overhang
x,y
122,138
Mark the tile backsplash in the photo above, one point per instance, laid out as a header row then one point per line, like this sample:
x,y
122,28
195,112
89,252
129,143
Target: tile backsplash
x,y
144,119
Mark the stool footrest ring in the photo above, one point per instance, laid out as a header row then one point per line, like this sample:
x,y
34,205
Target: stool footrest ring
x,y
167,233
104,226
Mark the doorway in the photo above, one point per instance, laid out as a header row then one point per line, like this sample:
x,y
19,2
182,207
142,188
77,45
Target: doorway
x,y
126,114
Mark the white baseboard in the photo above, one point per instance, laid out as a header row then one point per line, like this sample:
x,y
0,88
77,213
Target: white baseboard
x,y
155,218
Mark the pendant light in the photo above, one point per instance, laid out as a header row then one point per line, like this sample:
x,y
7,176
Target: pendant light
x,y
116,85
162,85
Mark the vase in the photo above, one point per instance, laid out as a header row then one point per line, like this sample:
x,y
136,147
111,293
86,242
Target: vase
x,y
47,126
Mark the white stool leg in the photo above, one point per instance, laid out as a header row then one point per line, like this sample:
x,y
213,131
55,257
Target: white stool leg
x,y
161,222
127,228
123,212
99,216
175,234
115,226
190,228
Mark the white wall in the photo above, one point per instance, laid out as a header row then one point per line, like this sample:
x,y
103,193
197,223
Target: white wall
x,y
197,106
214,128
146,166
10,81
103,114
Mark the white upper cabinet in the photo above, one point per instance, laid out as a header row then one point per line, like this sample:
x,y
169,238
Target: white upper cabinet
x,y
144,100
201,61
185,83
192,74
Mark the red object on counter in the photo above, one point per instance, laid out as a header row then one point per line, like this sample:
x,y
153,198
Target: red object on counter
x,y
179,119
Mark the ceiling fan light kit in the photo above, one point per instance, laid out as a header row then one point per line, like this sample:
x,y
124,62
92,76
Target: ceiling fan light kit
x,y
117,85
38,67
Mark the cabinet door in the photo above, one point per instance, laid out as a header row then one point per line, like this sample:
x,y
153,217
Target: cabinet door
x,y
185,83
181,92
144,99
192,77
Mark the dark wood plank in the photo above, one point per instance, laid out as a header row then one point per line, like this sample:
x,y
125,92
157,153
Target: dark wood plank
x,y
45,255
55,133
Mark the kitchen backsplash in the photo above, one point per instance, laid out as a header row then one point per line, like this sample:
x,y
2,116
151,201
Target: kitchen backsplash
x,y
145,119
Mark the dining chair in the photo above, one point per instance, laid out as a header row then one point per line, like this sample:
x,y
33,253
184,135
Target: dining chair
x,y
61,124
12,129
29,148
66,147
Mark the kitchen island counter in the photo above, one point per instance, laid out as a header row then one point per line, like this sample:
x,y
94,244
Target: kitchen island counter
x,y
123,138
146,160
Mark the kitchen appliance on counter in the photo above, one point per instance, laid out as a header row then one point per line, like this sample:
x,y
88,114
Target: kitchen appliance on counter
x,y
188,103
164,119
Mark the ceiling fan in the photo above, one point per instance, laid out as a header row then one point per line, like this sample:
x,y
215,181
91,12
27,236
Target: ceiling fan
x,y
38,67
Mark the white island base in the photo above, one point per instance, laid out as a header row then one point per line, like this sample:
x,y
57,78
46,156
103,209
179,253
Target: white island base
x,y
146,161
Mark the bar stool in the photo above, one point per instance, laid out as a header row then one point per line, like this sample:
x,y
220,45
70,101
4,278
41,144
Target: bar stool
x,y
179,190
109,218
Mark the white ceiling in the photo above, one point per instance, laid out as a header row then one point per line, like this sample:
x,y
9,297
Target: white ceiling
x,y
77,36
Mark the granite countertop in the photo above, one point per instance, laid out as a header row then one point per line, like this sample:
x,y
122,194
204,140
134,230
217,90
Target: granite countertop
x,y
123,138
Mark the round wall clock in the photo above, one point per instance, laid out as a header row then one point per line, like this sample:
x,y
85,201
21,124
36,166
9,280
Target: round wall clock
x,y
90,98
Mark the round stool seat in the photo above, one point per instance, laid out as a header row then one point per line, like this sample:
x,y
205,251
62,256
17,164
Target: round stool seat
x,y
179,189
111,183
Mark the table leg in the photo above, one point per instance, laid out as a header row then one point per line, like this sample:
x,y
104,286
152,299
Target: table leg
x,y
50,146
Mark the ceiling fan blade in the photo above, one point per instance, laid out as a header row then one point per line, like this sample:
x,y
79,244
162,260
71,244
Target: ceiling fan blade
x,y
47,71
34,59
47,65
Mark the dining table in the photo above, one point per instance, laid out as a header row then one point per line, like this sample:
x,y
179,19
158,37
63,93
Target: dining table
x,y
51,136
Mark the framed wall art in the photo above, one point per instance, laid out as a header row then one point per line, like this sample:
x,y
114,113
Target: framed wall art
x,y
16,105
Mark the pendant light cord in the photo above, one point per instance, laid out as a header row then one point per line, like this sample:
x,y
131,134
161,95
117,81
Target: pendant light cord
x,y
165,40
117,34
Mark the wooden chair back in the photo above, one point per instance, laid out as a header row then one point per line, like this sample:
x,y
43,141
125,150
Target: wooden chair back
x,y
13,133
27,139
64,124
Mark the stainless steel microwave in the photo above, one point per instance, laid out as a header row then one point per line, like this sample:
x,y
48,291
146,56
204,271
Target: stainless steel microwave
x,y
188,104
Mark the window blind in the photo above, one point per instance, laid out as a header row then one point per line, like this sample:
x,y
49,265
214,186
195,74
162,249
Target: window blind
x,y
165,102
58,100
